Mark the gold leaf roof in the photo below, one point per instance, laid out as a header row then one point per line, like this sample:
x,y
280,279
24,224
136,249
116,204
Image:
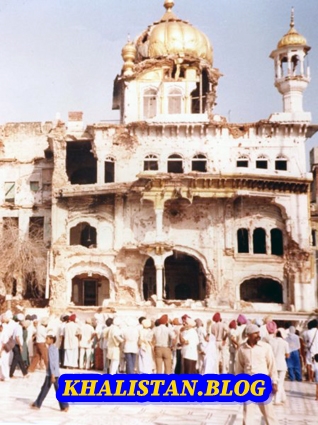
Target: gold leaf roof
x,y
173,36
292,38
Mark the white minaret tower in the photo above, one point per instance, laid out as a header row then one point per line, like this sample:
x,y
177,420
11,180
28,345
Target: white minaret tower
x,y
292,75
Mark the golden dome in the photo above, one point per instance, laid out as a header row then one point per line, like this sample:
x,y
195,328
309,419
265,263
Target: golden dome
x,y
128,54
173,36
292,38
129,51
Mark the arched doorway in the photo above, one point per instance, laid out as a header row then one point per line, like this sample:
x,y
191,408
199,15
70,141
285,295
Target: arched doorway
x,y
89,289
184,278
261,290
149,279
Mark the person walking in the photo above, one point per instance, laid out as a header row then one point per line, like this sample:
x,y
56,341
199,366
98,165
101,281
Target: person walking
x,y
4,354
25,349
52,375
256,356
17,349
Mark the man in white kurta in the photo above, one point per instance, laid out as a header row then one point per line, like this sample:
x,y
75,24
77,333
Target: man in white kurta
x,y
4,355
114,339
71,343
86,341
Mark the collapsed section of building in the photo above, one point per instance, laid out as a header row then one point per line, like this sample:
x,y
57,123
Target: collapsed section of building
x,y
174,205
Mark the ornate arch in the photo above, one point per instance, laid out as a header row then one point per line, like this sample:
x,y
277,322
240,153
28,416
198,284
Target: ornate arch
x,y
265,277
90,267
211,284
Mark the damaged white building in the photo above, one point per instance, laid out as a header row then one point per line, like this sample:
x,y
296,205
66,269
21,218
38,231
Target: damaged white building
x,y
174,204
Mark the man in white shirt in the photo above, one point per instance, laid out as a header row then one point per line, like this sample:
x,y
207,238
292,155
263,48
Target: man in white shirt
x,y
311,343
256,356
86,340
5,335
40,348
130,334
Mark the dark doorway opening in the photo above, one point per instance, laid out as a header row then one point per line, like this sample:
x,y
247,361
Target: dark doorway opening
x,y
149,279
184,278
89,289
81,165
261,290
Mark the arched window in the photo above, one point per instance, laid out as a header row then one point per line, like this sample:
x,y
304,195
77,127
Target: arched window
x,y
242,241
259,241
277,247
175,164
281,163
199,163
151,163
296,69
83,234
150,103
262,162
242,161
284,66
174,101
261,290
109,170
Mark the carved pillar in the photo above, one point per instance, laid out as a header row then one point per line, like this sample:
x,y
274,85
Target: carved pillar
x,y
268,242
159,281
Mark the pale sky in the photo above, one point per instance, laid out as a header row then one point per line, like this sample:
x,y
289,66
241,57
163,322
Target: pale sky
x,y
63,55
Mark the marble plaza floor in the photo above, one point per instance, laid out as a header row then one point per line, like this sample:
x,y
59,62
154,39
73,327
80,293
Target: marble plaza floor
x,y
17,394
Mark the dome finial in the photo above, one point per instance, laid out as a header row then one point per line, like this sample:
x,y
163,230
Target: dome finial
x,y
168,4
292,16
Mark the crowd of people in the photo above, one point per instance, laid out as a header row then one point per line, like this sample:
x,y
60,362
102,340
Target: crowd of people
x,y
131,345
166,345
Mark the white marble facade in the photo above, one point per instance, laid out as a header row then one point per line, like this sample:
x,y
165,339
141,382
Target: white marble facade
x,y
174,203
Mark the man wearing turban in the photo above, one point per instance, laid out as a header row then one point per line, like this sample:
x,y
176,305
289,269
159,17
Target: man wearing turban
x,y
256,356
220,331
164,340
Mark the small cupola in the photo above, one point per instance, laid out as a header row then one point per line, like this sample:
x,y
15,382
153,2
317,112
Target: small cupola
x,y
292,73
